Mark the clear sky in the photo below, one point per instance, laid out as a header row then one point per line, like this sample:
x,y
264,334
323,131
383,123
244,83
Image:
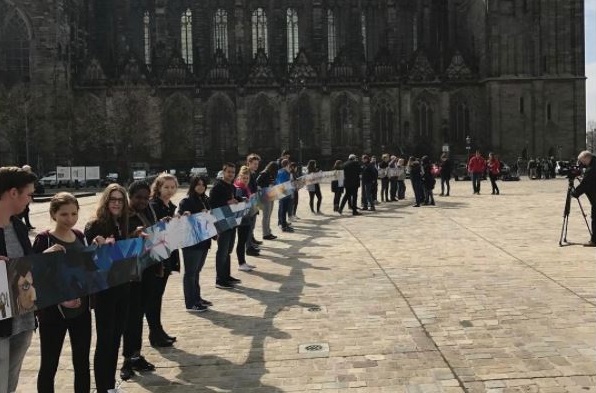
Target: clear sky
x,y
591,60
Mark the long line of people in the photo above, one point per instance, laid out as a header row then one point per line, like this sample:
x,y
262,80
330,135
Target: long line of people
x,y
121,214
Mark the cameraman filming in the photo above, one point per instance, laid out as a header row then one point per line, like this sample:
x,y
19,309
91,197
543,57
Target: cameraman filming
x,y
588,186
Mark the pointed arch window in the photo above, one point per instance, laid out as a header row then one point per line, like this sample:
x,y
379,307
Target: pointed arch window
x,y
415,33
346,129
382,122
424,119
220,31
292,32
15,49
147,37
186,36
259,31
331,37
364,32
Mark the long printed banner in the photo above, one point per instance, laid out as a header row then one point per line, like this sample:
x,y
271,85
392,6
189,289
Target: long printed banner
x,y
42,280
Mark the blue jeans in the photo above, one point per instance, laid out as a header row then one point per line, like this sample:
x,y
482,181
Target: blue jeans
x,y
367,199
194,260
225,246
476,177
285,205
12,354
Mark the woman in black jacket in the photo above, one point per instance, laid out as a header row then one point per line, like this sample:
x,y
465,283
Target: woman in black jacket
x,y
195,202
111,305
446,169
428,180
72,316
416,179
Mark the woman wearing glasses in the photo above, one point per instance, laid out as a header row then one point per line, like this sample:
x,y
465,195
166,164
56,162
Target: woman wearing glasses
x,y
111,305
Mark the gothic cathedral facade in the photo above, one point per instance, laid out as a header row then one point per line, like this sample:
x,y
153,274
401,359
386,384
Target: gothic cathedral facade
x,y
181,83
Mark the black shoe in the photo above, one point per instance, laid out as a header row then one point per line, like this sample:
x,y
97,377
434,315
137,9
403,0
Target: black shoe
x,y
372,209
126,372
253,252
160,342
30,227
234,280
364,208
416,205
270,237
206,303
356,213
224,285
257,242
198,308
287,229
141,364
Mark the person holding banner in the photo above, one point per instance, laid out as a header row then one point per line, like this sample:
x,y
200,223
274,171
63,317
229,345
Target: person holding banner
x,y
383,165
141,216
252,244
16,188
223,194
195,256
286,203
265,180
72,316
337,186
164,187
109,225
352,171
314,189
243,194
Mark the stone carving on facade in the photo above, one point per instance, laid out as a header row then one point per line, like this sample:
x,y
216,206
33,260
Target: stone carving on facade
x,y
342,69
261,73
421,70
177,72
219,74
132,72
383,69
458,69
93,74
301,71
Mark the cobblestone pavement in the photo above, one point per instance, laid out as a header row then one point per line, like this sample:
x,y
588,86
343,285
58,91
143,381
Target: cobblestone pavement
x,y
472,295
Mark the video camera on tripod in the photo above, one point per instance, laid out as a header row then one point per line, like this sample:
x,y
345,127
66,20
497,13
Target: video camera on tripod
x,y
573,173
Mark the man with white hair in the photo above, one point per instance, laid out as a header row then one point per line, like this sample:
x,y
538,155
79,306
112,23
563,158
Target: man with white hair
x,y
588,186
352,172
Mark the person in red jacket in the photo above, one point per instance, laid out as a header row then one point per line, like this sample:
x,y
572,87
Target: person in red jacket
x,y
476,166
494,169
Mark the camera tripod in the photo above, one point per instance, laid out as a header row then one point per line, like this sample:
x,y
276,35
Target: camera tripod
x,y
563,240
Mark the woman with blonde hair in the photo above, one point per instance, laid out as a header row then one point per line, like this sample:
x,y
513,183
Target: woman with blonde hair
x,y
243,230
164,187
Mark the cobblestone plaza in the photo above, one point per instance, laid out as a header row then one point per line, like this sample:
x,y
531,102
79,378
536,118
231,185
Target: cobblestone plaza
x,y
473,295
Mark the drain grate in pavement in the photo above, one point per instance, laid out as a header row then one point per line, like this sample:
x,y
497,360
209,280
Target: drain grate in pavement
x,y
314,309
466,323
314,350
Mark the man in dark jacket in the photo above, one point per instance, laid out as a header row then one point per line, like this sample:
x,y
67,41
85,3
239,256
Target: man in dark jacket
x,y
223,194
588,187
369,176
351,183
16,188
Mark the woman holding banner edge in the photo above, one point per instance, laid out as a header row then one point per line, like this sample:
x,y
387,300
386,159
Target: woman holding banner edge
x,y
111,306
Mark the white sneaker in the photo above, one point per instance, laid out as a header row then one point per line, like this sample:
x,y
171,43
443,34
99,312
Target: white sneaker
x,y
245,267
251,266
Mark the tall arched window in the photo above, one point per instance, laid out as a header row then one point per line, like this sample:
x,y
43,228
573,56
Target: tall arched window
x,y
292,32
346,132
331,37
14,49
424,120
186,36
259,31
382,122
415,33
147,37
363,29
220,31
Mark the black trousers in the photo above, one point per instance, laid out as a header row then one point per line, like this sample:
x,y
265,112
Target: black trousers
x,y
225,246
351,195
312,194
154,301
243,233
140,292
401,189
337,197
593,213
493,183
52,330
385,189
393,188
111,314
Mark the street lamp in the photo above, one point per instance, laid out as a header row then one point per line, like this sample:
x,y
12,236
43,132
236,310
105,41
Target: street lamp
x,y
468,144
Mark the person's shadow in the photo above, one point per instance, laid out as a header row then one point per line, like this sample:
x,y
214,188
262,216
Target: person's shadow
x,y
212,373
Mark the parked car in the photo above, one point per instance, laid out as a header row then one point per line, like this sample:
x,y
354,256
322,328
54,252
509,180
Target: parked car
x,y
109,179
507,174
562,168
460,172
49,180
